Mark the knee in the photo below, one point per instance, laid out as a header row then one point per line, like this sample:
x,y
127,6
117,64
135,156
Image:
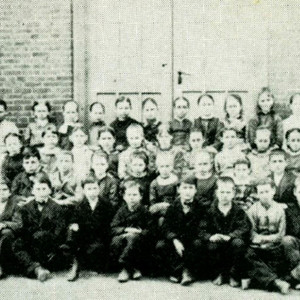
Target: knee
x,y
288,241
7,233
237,243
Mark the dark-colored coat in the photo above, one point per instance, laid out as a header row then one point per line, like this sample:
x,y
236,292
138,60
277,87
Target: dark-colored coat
x,y
180,131
11,216
151,131
12,166
292,214
109,190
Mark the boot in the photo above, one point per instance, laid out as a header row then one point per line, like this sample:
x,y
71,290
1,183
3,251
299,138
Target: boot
x,y
74,272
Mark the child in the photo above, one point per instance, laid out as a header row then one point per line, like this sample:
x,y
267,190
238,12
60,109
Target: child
x,y
231,151
151,123
122,122
22,184
131,229
266,117
234,115
163,189
180,127
244,195
268,228
207,123
70,116
34,130
106,142
50,150
180,230
293,120
292,149
89,231
135,138
107,183
225,230
81,152
283,180
259,156
97,111
13,162
206,178
37,247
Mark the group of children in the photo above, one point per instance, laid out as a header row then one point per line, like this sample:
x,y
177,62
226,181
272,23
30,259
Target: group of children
x,y
212,198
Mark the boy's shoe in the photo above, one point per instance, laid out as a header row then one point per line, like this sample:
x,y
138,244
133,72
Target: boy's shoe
x,y
42,274
174,279
245,283
218,280
233,283
297,287
73,274
136,274
282,286
123,276
186,278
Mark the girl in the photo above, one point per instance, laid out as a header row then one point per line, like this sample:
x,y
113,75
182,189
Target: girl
x,y
151,123
266,117
34,130
292,149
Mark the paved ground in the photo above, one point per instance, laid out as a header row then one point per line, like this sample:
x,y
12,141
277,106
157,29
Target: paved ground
x,y
92,286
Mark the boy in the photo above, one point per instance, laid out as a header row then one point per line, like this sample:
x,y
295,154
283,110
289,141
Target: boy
x,y
265,254
291,242
131,233
225,230
180,127
180,229
122,122
89,232
22,185
37,247
283,180
97,112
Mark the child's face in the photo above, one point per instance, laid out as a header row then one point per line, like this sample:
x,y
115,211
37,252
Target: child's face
x,y
99,165
91,190
181,109
294,141
203,164
265,194
262,140
186,193
229,139
277,164
31,165
165,167
106,141
70,113
135,138
4,192
13,145
233,107
41,191
132,197
297,194
225,193
241,171
295,106
65,163
206,107
50,139
123,110
78,138
97,113
265,102
137,165
150,111
164,140
196,140
41,111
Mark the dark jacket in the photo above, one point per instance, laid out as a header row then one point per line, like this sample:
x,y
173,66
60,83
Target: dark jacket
x,y
12,166
293,220
11,215
109,190
151,131
180,131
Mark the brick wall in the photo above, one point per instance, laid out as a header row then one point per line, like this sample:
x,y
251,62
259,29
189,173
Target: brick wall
x,y
35,54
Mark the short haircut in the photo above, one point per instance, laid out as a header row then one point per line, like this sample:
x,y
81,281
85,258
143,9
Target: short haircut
x,y
225,179
65,153
265,181
290,131
3,103
36,103
293,96
123,99
165,156
130,183
135,127
263,128
29,152
140,155
205,152
50,130
99,154
12,134
90,179
145,101
43,178
181,98
277,152
106,129
189,179
79,127
196,129
205,95
95,103
242,161
228,129
163,129
71,101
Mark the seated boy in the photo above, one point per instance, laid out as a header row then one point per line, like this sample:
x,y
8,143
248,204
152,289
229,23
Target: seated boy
x,y
37,247
225,230
131,233
265,255
180,229
96,112
89,232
